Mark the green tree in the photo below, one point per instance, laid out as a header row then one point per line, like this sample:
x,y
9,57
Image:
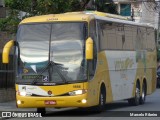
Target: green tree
x,y
10,23
103,6
42,7
39,7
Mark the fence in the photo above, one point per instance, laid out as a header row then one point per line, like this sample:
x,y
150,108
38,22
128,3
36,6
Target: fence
x,y
7,74
7,81
7,78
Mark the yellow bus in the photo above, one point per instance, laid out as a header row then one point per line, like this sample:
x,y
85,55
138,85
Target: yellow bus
x,y
82,59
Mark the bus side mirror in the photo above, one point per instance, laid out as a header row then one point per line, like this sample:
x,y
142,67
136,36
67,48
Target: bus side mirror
x,y
6,51
89,49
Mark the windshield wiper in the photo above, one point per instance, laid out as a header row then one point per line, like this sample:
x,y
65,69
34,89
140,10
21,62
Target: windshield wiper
x,y
58,71
50,64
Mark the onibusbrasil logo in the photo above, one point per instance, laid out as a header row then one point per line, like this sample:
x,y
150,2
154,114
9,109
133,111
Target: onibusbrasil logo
x,y
20,114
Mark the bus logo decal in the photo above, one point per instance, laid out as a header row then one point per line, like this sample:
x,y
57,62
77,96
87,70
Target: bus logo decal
x,y
25,71
45,79
123,64
49,92
76,86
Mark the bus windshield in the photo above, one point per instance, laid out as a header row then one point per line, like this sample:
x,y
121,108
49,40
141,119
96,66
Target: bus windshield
x,y
51,52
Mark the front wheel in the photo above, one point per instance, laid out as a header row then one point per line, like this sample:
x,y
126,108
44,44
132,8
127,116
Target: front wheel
x,y
102,101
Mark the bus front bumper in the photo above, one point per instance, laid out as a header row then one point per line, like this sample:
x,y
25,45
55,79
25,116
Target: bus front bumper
x,y
60,101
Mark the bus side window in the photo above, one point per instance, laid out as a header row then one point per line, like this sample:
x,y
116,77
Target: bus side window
x,y
139,39
128,43
150,39
92,34
120,36
107,35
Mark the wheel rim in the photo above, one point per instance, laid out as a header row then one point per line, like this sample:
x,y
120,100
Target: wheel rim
x,y
143,95
102,99
137,94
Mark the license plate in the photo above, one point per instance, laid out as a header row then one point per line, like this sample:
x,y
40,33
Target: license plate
x,y
49,102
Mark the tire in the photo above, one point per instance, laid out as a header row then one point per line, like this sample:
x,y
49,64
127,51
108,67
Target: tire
x,y
42,111
136,99
143,96
102,101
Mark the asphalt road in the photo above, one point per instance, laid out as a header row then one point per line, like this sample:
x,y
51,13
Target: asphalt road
x,y
119,110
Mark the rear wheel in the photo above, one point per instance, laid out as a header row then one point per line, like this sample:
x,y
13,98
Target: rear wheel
x,y
136,99
42,111
143,96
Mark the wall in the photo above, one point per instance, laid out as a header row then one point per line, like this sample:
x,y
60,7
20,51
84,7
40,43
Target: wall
x,y
149,15
7,95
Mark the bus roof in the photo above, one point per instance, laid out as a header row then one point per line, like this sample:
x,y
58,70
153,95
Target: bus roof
x,y
81,16
123,21
58,17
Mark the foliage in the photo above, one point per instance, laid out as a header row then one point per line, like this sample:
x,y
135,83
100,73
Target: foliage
x,y
10,23
41,7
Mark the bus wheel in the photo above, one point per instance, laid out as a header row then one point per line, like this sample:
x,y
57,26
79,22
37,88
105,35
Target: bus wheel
x,y
136,99
102,101
143,96
42,111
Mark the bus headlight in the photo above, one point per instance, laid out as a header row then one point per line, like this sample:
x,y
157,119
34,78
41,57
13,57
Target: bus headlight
x,y
84,101
77,92
19,102
23,93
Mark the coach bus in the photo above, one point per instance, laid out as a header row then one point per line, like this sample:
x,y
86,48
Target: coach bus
x,y
82,59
